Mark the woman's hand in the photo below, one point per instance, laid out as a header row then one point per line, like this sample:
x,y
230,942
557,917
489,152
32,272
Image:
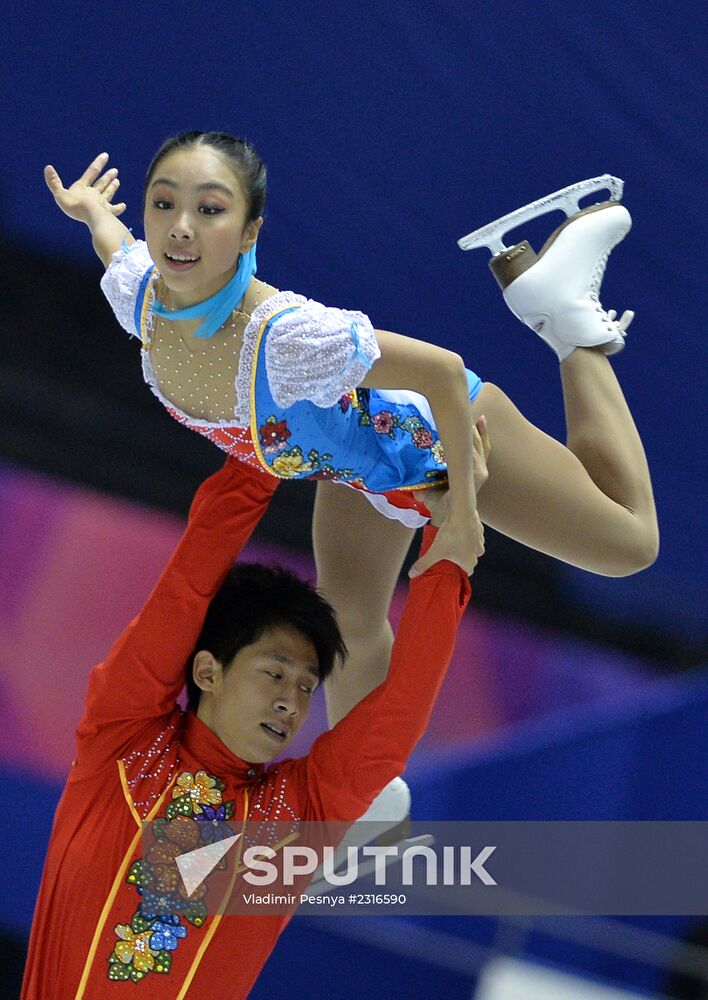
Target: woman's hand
x,y
461,543
91,195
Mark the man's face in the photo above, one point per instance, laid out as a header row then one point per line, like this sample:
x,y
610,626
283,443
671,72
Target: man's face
x,y
258,702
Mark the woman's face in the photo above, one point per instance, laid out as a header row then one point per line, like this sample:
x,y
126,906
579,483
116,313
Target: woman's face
x,y
195,222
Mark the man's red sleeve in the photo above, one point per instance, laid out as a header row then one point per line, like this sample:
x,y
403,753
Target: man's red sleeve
x,y
348,766
144,672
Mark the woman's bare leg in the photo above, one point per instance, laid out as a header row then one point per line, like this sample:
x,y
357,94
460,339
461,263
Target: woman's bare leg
x,y
589,504
359,554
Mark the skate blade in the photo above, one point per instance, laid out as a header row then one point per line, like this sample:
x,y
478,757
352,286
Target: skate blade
x,y
321,886
492,235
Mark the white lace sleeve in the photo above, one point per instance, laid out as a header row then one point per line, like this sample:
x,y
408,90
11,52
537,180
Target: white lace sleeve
x,y
122,280
318,353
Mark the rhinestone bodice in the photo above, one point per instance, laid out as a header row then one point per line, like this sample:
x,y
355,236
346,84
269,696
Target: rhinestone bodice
x,y
199,375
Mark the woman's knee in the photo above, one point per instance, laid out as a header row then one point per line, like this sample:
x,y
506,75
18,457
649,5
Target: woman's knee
x,y
362,633
642,549
357,614
633,547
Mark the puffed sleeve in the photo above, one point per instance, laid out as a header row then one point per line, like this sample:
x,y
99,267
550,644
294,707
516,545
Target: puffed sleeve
x,y
124,281
318,353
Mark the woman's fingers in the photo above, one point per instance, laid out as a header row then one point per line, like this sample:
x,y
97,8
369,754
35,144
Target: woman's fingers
x,y
104,182
94,169
483,429
52,178
482,445
110,189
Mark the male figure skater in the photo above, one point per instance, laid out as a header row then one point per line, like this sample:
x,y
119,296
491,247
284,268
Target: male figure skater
x,y
257,642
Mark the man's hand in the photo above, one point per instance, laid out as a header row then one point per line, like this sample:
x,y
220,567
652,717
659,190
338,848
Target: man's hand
x,y
461,545
91,195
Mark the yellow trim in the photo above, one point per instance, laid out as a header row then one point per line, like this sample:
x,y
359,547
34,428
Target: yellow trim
x,y
423,486
396,489
220,912
144,311
117,882
126,793
253,424
238,869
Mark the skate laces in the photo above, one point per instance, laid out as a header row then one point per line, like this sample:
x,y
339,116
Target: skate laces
x,y
598,273
596,277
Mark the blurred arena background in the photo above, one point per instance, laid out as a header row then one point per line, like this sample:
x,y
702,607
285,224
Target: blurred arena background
x,y
390,129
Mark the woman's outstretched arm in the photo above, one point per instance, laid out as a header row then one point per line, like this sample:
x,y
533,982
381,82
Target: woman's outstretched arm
x,y
89,200
439,375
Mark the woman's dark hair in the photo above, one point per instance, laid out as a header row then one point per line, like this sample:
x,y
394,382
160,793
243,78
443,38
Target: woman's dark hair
x,y
243,158
255,598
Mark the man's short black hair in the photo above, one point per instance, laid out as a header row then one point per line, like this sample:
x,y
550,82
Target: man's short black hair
x,y
256,598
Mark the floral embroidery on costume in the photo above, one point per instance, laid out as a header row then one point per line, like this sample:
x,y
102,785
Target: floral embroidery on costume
x,y
197,788
350,399
359,400
384,423
133,957
422,438
273,435
438,452
388,422
165,932
215,827
196,816
291,463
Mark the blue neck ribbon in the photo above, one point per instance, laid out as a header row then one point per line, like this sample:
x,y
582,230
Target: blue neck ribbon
x,y
218,307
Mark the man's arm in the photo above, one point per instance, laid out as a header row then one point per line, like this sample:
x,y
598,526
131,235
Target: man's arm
x,y
144,672
348,766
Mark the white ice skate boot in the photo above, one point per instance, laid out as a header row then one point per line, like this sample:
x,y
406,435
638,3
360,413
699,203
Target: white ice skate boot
x,y
386,821
391,806
556,292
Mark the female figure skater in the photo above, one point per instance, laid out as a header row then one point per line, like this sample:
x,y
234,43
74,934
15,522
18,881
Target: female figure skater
x,y
277,380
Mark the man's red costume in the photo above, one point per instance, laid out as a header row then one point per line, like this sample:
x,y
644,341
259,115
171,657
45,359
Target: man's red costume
x,y
141,757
